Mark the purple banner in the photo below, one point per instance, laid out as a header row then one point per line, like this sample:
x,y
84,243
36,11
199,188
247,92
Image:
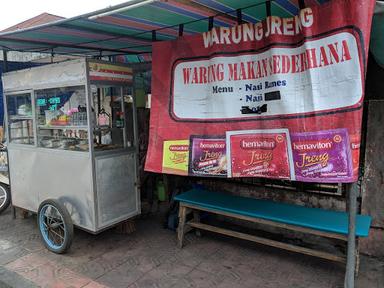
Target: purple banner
x,y
323,156
208,156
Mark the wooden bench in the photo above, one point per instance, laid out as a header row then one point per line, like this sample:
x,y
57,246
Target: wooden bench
x,y
320,222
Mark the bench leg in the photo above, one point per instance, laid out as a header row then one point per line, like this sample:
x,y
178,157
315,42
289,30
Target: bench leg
x,y
181,227
196,218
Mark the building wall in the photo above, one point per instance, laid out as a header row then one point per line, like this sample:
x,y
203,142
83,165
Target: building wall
x,y
43,58
373,183
23,56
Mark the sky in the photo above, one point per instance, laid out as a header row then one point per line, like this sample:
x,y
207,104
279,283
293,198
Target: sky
x,y
16,11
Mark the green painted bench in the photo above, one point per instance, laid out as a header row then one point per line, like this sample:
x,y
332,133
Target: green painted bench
x,y
320,222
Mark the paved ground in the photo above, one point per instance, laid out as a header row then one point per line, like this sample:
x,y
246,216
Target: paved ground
x,y
149,258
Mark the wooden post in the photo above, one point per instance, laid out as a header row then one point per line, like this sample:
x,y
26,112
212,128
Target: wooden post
x,y
180,229
351,250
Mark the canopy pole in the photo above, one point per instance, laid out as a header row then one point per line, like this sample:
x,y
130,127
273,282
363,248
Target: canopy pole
x,y
301,4
351,250
5,61
52,55
239,14
210,23
181,30
268,8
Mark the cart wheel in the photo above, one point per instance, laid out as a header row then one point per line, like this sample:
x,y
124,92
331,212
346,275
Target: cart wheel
x,y
5,197
55,226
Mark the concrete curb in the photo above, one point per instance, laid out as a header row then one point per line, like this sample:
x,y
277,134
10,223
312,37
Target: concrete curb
x,y
9,279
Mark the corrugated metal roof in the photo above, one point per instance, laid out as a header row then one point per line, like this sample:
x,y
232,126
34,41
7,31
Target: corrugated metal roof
x,y
129,28
43,18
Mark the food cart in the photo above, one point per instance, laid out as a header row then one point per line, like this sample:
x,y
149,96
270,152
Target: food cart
x,y
71,138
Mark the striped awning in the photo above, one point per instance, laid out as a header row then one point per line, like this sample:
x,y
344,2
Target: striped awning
x,y
130,28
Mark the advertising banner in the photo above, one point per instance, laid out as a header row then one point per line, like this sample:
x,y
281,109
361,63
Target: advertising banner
x,y
175,157
297,81
208,156
109,72
260,153
322,155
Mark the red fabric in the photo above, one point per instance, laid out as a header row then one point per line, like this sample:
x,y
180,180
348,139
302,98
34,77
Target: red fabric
x,y
329,19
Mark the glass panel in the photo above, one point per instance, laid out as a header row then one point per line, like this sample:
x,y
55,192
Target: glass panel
x,y
19,106
21,131
111,131
20,121
62,118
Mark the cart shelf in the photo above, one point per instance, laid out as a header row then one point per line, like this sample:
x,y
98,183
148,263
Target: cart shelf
x,y
16,117
57,127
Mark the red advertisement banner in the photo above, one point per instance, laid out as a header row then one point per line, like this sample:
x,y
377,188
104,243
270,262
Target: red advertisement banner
x,y
263,153
303,74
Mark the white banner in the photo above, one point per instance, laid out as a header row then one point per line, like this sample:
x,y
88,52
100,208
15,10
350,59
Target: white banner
x,y
320,75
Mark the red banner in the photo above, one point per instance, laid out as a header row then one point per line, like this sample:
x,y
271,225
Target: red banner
x,y
299,80
262,153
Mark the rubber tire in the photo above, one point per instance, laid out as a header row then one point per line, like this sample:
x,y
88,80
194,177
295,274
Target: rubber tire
x,y
5,188
68,224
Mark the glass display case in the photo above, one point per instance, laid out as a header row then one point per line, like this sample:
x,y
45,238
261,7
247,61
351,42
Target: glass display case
x,y
72,137
20,121
61,116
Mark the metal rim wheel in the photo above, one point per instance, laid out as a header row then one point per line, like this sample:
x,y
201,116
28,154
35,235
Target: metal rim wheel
x,y
5,197
55,226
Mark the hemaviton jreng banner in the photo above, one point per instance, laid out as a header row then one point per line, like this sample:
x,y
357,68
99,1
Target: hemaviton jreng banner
x,y
281,98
